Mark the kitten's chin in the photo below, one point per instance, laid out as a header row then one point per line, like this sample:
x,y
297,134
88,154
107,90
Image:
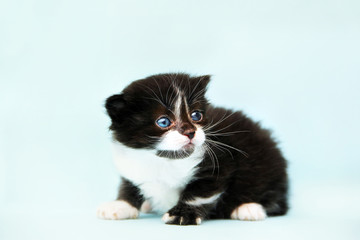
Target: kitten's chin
x,y
182,153
189,146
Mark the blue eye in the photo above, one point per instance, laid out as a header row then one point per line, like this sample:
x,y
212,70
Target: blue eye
x,y
163,122
196,116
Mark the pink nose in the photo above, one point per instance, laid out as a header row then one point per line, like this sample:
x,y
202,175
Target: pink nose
x,y
190,135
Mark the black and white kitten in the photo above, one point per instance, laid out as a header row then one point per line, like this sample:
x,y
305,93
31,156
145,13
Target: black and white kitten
x,y
183,157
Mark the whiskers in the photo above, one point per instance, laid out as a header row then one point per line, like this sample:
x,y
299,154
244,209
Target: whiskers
x,y
209,146
213,157
225,134
224,146
152,139
214,146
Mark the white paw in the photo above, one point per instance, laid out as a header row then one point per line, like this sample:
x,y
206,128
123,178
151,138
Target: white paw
x,y
249,212
198,221
116,210
167,218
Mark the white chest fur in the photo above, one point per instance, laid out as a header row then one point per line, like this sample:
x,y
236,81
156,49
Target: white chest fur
x,y
160,179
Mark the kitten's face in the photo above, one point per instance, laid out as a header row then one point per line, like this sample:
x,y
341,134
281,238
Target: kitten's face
x,y
162,112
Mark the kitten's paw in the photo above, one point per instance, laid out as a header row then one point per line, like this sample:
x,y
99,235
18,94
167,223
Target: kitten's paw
x,y
117,210
181,220
179,216
249,212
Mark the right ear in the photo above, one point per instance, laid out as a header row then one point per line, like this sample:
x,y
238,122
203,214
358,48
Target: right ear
x,y
115,106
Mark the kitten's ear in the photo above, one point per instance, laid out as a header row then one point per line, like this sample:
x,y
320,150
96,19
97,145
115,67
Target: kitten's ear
x,y
115,106
201,82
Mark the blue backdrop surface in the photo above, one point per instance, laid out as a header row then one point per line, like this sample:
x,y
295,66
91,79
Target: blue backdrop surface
x,y
293,65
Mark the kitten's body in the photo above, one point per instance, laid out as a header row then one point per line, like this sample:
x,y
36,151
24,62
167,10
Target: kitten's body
x,y
221,166
159,181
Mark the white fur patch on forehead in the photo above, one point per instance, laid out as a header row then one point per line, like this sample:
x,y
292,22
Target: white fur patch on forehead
x,y
178,104
186,105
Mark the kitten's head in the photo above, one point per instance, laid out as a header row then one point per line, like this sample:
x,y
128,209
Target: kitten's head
x,y
164,112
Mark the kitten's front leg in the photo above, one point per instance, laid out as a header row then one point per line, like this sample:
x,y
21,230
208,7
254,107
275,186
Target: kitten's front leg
x,y
183,214
198,198
126,206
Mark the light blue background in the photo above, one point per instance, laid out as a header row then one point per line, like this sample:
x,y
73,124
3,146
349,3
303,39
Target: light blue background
x,y
293,65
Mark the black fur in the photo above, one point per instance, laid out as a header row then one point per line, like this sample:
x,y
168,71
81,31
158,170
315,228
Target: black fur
x,y
130,193
248,166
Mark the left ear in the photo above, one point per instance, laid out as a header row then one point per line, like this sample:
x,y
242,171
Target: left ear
x,y
115,107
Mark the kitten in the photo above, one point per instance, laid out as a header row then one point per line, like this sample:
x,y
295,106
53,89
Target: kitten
x,y
181,156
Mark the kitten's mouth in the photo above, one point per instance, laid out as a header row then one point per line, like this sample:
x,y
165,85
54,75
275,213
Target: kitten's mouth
x,y
184,152
189,146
